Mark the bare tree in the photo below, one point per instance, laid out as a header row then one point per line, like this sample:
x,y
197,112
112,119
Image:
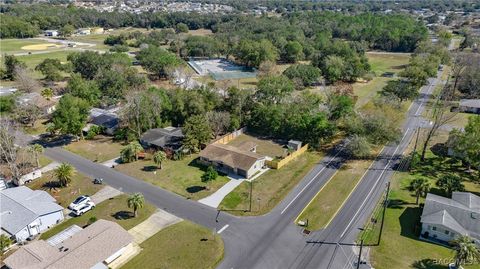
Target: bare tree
x,y
27,113
219,121
25,81
8,150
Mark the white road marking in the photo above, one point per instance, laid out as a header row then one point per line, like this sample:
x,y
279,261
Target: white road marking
x,y
374,186
308,184
223,229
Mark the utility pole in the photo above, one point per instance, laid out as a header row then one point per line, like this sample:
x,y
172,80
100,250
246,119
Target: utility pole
x,y
360,254
385,203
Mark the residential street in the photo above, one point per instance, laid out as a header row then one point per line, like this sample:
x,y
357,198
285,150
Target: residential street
x,y
273,240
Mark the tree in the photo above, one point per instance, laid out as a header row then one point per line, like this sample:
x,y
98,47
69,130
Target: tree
x,y
335,67
130,152
25,80
210,174
27,113
339,106
5,242
358,147
420,186
51,69
36,149
159,157
71,115
197,131
64,174
47,93
293,52
273,90
8,149
253,53
466,144
158,60
181,28
303,75
67,30
466,251
88,90
219,121
11,62
87,63
450,183
402,90
136,201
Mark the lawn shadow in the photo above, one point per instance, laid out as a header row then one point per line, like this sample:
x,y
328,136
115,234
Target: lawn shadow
x,y
396,204
149,168
409,222
195,163
195,189
123,215
427,264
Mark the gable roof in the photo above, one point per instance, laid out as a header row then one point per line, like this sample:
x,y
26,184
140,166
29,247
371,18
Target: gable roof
x,y
20,206
470,103
83,249
162,137
461,213
102,117
230,156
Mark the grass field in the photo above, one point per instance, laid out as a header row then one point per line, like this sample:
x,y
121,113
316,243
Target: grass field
x,y
270,188
80,185
114,209
321,210
99,149
399,246
182,177
183,245
380,63
264,147
33,60
10,46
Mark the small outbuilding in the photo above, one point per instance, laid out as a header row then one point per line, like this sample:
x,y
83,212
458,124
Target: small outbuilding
x,y
294,145
469,106
52,33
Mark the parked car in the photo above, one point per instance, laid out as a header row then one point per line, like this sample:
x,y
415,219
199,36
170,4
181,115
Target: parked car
x,y
85,208
79,202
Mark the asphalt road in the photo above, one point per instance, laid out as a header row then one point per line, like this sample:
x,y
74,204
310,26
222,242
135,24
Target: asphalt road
x,y
273,240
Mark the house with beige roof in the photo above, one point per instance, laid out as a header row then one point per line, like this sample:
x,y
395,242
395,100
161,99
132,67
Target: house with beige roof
x,y
95,246
241,160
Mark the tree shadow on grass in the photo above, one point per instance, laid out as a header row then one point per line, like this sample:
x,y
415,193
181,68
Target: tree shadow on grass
x,y
397,204
427,264
149,168
410,222
123,215
51,185
195,189
195,163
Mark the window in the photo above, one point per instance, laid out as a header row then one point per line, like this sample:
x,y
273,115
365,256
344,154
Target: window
x,y
434,228
447,232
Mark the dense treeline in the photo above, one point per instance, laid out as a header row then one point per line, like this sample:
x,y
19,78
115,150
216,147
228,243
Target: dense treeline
x,y
377,31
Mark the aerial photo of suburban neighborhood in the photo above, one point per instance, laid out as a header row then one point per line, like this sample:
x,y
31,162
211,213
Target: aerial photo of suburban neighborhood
x,y
240,134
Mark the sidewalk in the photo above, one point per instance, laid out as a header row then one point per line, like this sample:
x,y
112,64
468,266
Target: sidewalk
x,y
216,198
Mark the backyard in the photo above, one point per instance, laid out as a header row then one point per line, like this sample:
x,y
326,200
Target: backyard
x,y
181,176
114,209
80,185
270,188
183,245
100,149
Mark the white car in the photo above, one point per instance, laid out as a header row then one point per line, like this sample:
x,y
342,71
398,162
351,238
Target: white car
x,y
79,202
85,208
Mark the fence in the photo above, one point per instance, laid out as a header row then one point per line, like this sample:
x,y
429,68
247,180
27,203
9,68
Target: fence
x,y
279,164
230,136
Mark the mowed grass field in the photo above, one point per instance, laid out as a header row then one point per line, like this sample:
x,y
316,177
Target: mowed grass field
x,y
15,45
380,63
99,149
183,245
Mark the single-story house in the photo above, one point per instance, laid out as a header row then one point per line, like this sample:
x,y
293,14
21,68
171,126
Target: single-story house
x,y
30,176
469,106
168,138
83,31
103,118
241,160
34,98
95,246
443,219
25,213
51,33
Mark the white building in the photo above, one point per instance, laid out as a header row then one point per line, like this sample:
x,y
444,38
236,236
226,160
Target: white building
x,y
25,213
37,173
51,33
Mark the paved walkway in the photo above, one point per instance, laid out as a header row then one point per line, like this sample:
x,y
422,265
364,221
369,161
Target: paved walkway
x,y
49,167
112,162
156,222
216,198
105,193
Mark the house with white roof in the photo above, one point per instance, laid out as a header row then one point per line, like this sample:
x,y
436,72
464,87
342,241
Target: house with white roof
x,y
444,219
24,212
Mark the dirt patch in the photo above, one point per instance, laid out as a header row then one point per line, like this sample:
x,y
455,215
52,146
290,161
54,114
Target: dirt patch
x,y
44,46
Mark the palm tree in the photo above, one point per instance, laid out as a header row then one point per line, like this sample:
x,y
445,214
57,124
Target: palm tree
x,y
64,174
420,186
36,149
47,93
450,183
465,250
159,157
136,201
131,152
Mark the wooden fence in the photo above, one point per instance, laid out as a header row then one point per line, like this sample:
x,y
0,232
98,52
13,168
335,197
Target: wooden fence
x,y
230,136
277,164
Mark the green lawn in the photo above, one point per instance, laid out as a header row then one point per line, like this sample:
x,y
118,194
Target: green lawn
x,y
34,59
114,209
270,188
183,245
402,228
80,185
100,149
39,127
15,45
182,177
264,146
44,160
321,210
